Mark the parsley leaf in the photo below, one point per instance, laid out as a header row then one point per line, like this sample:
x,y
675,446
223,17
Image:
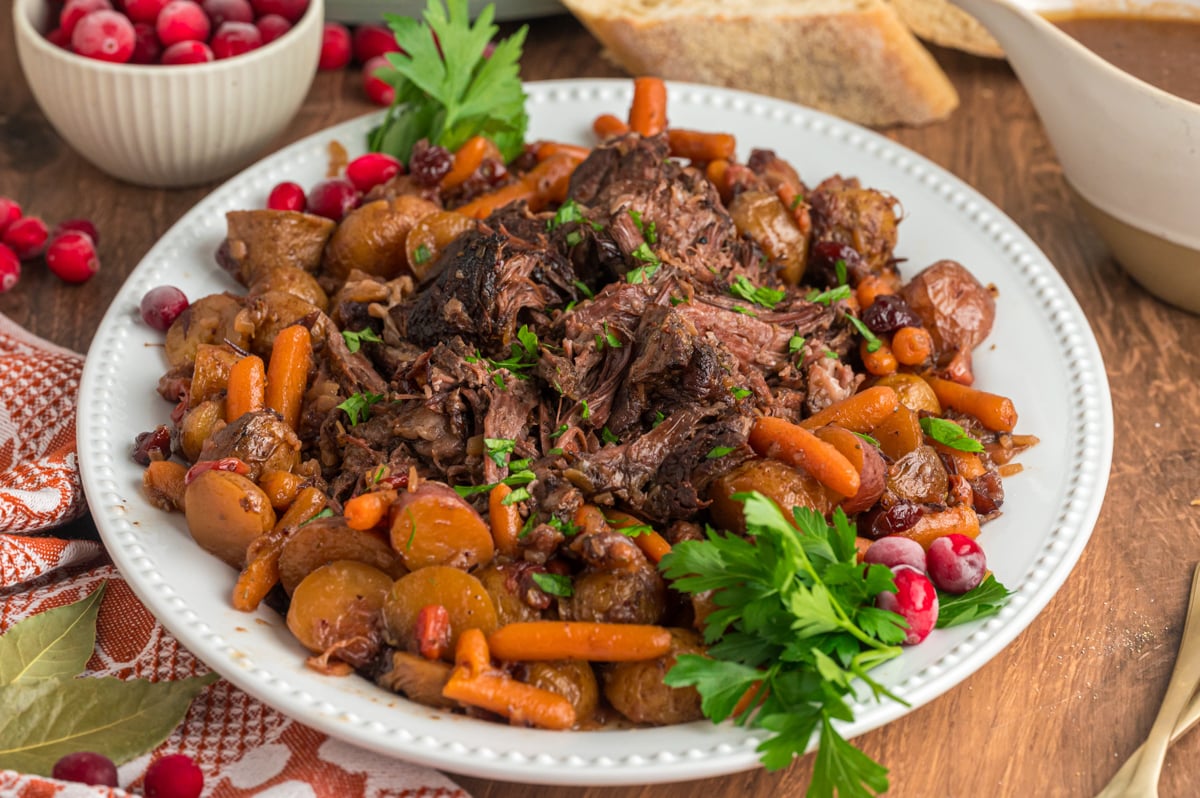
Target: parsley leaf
x,y
585,412
717,452
839,267
873,343
986,599
658,418
830,296
741,393
554,584
609,338
446,89
643,273
421,254
562,428
608,436
518,495
499,449
568,528
583,289
795,616
647,229
759,295
947,433
795,343
354,339
358,406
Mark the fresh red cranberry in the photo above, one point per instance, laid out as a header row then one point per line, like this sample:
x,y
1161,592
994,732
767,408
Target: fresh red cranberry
x,y
291,10
59,38
235,38
147,49
957,563
335,46
72,256
10,269
160,306
915,600
429,164
372,169
27,237
222,11
287,197
272,26
75,10
10,211
895,551
333,199
105,36
371,41
378,90
79,226
144,10
86,767
182,21
187,53
173,776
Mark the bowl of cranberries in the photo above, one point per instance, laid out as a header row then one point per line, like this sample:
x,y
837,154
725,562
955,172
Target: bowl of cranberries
x,y
169,93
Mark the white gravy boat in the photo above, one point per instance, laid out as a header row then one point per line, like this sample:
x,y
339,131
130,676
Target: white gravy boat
x,y
1130,151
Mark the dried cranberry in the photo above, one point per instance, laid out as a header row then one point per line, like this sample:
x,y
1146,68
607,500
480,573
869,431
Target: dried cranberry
x,y
429,164
888,313
153,445
883,521
823,261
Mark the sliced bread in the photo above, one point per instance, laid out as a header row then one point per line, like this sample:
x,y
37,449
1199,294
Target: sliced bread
x,y
852,58
940,23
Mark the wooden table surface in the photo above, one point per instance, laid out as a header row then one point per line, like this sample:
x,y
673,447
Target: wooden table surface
x,y
1057,711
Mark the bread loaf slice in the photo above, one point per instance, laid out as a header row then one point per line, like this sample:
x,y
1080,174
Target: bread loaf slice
x,y
939,22
852,58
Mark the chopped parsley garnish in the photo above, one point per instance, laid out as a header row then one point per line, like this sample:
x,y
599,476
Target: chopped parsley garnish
x,y
629,527
741,393
829,297
528,526
562,428
795,203
354,340
867,438
607,436
568,528
759,295
719,451
829,353
583,289
873,343
520,465
569,211
647,229
839,268
421,254
518,495
609,339
796,616
554,584
574,237
513,480
499,449
555,452
658,418
585,412
986,599
646,255
947,433
379,472
448,87
795,343
328,511
358,406
743,311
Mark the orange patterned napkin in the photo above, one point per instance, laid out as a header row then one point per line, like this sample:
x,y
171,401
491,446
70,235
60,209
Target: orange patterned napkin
x,y
244,747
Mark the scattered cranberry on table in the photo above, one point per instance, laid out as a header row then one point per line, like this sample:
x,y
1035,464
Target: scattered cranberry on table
x,y
372,41
86,767
173,776
79,226
377,89
10,269
10,211
72,256
26,237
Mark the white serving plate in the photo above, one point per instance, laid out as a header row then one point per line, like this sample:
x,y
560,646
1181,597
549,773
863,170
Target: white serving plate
x,y
1041,353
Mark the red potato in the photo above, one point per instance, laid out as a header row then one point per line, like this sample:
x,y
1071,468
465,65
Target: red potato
x,y
866,459
433,525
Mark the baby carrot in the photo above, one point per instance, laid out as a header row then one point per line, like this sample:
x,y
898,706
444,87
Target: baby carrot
x,y
367,510
247,390
857,413
287,372
544,149
699,146
596,642
468,158
606,126
881,362
505,520
652,544
912,346
784,441
648,112
995,412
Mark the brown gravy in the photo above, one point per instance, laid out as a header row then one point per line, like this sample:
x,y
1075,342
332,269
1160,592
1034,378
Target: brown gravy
x,y
1162,52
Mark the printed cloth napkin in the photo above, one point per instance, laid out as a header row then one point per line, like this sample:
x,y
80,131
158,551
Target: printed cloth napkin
x,y
244,747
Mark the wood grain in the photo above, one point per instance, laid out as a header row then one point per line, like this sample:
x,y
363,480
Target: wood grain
x,y
1057,711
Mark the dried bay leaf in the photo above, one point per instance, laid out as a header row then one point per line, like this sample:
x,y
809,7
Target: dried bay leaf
x,y
52,644
44,720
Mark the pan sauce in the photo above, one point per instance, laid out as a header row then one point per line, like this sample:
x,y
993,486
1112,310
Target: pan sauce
x,y
1162,52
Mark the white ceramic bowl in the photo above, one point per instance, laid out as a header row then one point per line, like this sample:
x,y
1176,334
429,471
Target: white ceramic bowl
x,y
169,126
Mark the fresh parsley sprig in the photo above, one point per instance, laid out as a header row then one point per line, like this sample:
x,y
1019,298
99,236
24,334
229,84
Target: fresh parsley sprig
x,y
948,433
985,600
796,621
759,295
447,90
358,406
